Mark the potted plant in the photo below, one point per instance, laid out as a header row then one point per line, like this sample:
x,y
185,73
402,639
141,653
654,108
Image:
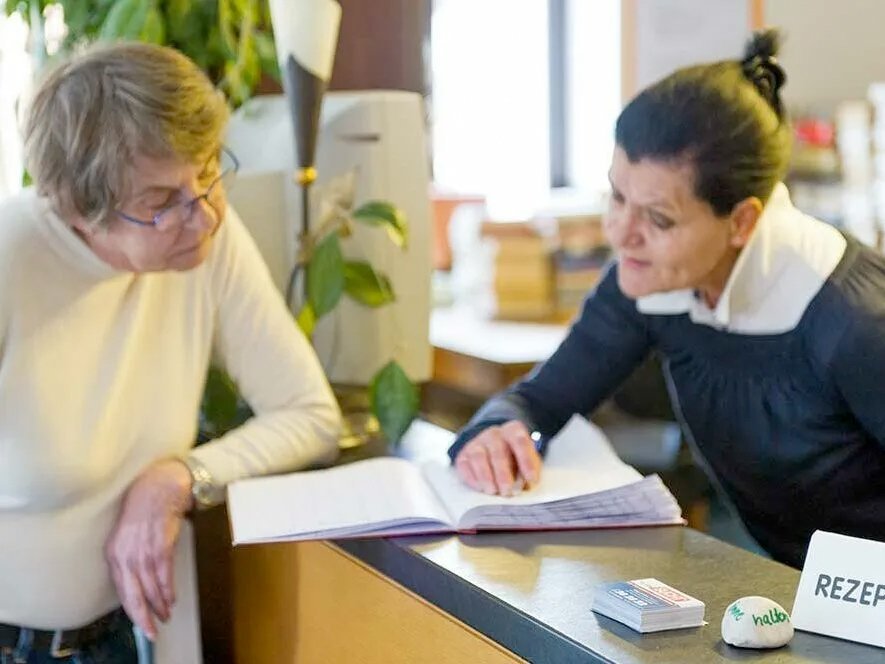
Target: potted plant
x,y
230,39
392,398
329,275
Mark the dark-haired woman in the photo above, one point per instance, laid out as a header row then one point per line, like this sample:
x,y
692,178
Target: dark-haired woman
x,y
771,323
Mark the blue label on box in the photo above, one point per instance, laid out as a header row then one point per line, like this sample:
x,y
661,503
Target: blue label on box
x,y
635,597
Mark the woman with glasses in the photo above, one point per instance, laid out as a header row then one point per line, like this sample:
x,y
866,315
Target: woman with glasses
x,y
771,323
121,272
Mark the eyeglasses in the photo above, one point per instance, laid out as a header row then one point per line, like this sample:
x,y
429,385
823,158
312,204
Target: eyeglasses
x,y
184,210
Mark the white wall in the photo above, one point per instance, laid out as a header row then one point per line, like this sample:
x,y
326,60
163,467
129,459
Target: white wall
x,y
676,33
833,49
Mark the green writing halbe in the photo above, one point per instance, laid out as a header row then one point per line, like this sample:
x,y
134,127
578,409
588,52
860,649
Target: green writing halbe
x,y
770,626
773,617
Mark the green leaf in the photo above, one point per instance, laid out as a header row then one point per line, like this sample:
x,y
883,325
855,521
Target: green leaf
x,y
178,10
233,84
84,21
325,276
306,319
387,215
394,400
251,63
229,39
267,54
125,20
365,285
180,24
154,29
13,6
226,27
76,15
220,399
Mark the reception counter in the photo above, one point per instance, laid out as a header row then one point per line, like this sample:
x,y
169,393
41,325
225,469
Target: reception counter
x,y
501,598
498,597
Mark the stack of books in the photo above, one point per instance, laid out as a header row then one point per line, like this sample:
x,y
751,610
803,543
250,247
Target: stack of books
x,y
523,270
579,260
648,605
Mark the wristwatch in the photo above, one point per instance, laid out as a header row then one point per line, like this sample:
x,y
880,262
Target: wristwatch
x,y
203,488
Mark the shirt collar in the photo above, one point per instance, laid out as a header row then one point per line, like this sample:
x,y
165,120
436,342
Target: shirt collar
x,y
785,263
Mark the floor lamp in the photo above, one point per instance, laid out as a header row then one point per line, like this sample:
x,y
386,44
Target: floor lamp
x,y
306,36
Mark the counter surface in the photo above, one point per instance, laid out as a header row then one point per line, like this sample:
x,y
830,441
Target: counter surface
x,y
531,592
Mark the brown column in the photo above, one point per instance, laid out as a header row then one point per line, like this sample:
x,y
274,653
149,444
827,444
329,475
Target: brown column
x,y
381,45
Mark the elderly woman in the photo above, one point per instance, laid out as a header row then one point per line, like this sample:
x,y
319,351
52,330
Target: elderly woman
x,y
771,323
121,271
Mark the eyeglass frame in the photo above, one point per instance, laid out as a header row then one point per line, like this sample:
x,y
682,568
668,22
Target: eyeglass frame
x,y
190,204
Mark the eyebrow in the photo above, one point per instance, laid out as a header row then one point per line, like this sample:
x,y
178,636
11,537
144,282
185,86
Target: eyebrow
x,y
155,189
665,208
160,188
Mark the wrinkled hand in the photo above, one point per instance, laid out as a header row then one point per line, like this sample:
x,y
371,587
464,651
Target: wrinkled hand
x,y
140,548
500,460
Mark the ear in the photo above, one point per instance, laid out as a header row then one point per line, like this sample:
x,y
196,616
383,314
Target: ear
x,y
79,224
743,220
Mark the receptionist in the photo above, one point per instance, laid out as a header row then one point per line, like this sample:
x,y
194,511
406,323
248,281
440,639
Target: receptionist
x,y
771,323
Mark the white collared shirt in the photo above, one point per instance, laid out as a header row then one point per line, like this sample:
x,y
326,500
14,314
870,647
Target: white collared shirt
x,y
785,263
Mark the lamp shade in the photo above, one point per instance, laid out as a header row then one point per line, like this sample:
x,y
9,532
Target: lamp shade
x,y
306,36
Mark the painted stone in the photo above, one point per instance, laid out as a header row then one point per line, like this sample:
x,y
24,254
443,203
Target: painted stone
x,y
756,622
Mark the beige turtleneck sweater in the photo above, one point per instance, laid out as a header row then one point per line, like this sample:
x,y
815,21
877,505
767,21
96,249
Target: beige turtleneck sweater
x,y
101,374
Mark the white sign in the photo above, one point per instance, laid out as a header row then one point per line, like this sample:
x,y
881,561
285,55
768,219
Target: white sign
x,y
842,589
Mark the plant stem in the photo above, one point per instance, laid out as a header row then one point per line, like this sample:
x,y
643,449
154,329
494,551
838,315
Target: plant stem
x,y
305,236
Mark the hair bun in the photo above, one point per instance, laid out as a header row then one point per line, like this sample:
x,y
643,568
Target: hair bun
x,y
761,67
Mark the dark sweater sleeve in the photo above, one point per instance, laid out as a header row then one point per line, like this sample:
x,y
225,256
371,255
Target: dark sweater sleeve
x,y
608,340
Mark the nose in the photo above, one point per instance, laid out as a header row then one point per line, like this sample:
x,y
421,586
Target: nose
x,y
623,227
204,215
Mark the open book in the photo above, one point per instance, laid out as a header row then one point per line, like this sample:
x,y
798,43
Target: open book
x,y
583,485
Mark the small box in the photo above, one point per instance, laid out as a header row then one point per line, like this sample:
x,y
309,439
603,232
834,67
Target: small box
x,y
648,605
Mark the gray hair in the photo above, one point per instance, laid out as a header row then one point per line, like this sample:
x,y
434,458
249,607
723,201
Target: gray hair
x,y
92,115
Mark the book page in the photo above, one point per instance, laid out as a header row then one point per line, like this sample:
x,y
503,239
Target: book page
x,y
646,502
377,496
556,484
582,444
579,461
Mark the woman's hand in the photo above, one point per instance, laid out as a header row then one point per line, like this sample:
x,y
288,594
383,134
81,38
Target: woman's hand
x,y
140,548
501,459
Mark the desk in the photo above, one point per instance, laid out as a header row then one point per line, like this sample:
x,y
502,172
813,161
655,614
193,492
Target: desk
x,y
479,357
503,598
497,597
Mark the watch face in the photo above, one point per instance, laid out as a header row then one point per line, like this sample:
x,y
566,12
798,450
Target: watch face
x,y
203,493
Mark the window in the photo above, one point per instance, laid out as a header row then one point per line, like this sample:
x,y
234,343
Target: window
x,y
524,98
15,72
16,78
